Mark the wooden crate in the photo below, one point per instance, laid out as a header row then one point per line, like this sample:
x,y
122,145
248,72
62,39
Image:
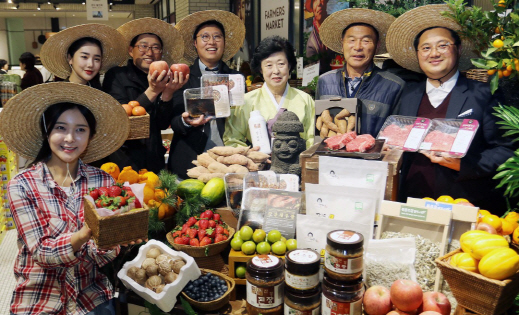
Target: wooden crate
x,y
309,161
239,257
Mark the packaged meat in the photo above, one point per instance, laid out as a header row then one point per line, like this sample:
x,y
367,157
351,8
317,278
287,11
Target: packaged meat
x,y
361,143
450,137
404,132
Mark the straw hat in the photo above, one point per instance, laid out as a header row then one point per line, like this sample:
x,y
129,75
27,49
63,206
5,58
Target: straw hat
x,y
21,117
173,47
332,27
403,31
233,26
53,53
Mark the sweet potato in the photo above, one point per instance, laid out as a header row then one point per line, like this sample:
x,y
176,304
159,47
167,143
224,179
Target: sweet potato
x,y
217,167
251,166
213,155
257,156
332,126
319,123
351,123
324,131
226,151
195,163
331,133
204,159
325,116
205,177
343,125
343,113
196,171
235,168
242,150
234,159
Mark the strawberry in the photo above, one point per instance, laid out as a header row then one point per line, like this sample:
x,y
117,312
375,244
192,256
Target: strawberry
x,y
184,228
210,232
225,232
177,234
103,191
212,224
194,242
185,240
105,201
218,238
179,240
201,234
98,203
225,237
219,229
207,214
192,233
216,217
114,191
203,224
94,193
206,241
137,203
191,221
129,193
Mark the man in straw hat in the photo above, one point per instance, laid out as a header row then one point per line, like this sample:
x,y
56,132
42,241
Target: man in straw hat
x,y
423,40
359,34
210,38
148,40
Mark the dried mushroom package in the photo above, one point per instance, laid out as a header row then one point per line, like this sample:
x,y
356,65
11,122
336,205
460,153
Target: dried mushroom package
x,y
351,204
269,179
234,83
386,261
212,101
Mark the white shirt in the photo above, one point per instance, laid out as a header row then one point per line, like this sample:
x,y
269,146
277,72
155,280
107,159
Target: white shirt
x,y
273,98
438,94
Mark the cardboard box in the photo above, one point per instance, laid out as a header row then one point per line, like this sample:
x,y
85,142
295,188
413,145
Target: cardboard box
x,y
335,105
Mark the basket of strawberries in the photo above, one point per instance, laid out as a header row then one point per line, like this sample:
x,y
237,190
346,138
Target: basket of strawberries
x,y
116,215
201,236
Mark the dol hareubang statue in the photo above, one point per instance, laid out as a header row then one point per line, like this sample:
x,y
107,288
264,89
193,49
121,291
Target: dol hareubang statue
x,y
287,145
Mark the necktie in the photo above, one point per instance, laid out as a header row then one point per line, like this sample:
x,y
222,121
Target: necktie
x,y
214,69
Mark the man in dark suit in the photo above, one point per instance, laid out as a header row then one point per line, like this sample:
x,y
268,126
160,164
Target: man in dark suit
x,y
446,94
210,38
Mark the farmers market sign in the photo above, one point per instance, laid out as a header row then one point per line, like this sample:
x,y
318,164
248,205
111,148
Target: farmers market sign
x,y
274,18
413,213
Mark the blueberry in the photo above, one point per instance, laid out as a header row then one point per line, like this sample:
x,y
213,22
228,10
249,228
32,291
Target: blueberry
x,y
208,274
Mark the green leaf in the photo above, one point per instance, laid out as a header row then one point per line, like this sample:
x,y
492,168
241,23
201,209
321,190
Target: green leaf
x,y
491,64
481,63
494,83
516,44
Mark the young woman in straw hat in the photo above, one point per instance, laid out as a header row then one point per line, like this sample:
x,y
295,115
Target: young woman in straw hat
x,y
79,54
60,127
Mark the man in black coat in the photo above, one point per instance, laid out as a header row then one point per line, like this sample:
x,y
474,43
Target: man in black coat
x,y
216,37
149,40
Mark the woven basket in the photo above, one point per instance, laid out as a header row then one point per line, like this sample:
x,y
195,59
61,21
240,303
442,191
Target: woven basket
x,y
477,74
215,304
117,229
476,292
139,127
213,249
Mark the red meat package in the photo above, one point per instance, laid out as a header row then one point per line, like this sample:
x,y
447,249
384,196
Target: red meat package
x,y
404,132
450,137
351,141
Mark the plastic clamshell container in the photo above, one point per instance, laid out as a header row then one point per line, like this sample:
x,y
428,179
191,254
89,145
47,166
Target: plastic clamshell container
x,y
167,299
450,137
404,132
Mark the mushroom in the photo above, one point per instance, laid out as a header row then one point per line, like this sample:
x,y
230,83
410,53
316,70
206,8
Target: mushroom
x,y
159,288
140,276
164,268
148,262
153,253
153,282
152,270
170,277
177,265
131,272
161,258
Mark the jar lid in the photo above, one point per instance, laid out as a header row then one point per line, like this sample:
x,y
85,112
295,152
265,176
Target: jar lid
x,y
303,261
342,285
345,239
267,266
311,296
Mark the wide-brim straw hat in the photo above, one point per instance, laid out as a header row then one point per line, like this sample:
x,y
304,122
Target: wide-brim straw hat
x,y
173,46
330,31
53,53
401,35
22,114
233,26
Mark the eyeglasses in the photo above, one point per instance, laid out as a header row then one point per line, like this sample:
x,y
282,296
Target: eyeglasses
x,y
144,48
206,37
441,48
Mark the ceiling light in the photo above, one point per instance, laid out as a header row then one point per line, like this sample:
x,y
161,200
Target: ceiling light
x,y
111,3
9,1
49,2
82,3
39,7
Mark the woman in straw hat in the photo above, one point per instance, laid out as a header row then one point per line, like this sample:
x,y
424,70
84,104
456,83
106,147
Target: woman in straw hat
x,y
423,40
60,127
80,53
274,58
147,40
210,38
359,34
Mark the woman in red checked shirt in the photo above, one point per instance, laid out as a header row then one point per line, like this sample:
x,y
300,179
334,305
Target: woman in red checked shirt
x,y
57,267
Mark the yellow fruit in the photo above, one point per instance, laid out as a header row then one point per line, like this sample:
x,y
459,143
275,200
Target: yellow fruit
x,y
491,71
499,264
128,175
507,228
468,237
464,261
112,169
509,68
446,199
502,4
507,73
492,220
513,217
149,194
485,244
428,198
498,43
159,194
151,179
481,214
458,200
515,236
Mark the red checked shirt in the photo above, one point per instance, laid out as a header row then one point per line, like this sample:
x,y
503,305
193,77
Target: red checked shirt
x,y
51,278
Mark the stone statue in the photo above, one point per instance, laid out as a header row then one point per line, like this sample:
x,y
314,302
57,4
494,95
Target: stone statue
x,y
287,145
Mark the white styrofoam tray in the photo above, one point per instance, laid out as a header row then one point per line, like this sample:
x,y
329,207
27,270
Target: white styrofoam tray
x,y
166,299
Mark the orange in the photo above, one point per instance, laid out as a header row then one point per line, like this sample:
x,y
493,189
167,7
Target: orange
x,y
491,71
112,169
428,198
517,67
159,194
497,30
515,236
500,73
133,103
445,198
492,220
128,109
149,194
138,111
128,175
507,227
498,43
507,73
513,218
502,4
509,68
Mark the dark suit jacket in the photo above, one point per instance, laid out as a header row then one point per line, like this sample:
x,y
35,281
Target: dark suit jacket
x,y
126,84
487,151
188,142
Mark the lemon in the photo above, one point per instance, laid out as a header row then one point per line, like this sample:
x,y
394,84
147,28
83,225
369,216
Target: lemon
x,y
458,200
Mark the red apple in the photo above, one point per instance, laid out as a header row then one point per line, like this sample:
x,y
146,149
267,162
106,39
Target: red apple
x,y
436,302
159,66
430,313
180,67
377,301
406,295
464,203
399,312
486,227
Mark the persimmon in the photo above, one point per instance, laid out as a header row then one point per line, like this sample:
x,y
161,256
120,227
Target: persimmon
x,y
133,103
138,111
128,109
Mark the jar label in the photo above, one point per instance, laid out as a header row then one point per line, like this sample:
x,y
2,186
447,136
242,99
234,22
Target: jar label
x,y
265,297
292,311
343,265
265,261
331,307
301,282
345,237
303,256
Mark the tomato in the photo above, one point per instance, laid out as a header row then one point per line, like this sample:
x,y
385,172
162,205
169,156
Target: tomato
x,y
138,111
159,66
133,103
128,108
180,67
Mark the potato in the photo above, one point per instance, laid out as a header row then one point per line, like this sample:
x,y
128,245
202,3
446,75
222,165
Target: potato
x,y
226,151
325,116
324,131
207,176
332,133
213,155
234,159
235,168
